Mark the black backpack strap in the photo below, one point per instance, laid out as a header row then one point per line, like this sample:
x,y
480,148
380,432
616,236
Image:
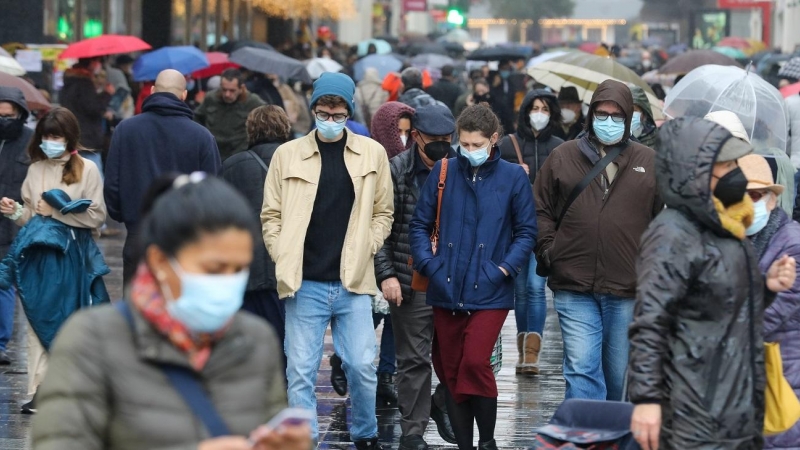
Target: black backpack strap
x,y
260,161
185,382
599,167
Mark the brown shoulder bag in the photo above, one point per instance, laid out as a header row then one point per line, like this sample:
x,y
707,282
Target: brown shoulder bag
x,y
418,282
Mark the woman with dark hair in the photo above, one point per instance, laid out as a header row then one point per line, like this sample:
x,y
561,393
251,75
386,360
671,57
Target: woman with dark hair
x,y
267,128
486,234
66,189
391,127
175,364
529,147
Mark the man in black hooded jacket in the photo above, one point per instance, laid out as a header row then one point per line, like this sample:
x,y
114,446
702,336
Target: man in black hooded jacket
x,y
14,162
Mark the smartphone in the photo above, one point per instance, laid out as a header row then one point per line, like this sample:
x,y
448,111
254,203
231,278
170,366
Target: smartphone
x,y
291,417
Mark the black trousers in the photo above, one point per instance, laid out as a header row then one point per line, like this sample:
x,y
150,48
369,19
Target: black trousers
x,y
267,305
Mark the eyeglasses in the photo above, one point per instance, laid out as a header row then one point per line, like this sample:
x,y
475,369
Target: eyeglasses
x,y
323,116
619,118
757,195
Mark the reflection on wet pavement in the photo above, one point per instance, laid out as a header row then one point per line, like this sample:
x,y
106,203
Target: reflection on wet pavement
x,y
524,403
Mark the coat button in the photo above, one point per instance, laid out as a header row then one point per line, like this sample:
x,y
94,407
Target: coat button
x,y
460,305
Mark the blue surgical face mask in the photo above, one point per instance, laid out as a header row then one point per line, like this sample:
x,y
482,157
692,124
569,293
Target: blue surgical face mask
x,y
607,131
760,218
478,157
504,74
53,149
207,302
636,124
330,129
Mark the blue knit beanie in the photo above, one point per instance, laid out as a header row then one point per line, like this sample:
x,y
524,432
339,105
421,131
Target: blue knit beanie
x,y
337,84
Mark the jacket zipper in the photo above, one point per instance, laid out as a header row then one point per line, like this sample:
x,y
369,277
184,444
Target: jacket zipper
x,y
447,261
605,187
478,266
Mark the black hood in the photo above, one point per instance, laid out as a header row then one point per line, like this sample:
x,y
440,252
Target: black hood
x,y
688,148
166,104
523,122
14,95
619,93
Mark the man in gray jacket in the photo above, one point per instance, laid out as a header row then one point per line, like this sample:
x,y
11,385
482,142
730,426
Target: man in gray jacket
x,y
14,162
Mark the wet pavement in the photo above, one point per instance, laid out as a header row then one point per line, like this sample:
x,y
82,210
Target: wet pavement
x,y
524,402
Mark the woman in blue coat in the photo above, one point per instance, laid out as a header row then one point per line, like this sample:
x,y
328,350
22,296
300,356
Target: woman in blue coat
x,y
487,232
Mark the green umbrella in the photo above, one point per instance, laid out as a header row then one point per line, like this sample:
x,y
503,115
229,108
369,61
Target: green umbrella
x,y
731,52
585,72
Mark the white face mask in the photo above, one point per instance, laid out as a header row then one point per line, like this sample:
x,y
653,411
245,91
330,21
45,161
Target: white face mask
x,y
539,120
404,139
568,116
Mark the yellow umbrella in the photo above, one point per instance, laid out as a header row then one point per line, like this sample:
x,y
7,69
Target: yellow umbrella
x,y
306,9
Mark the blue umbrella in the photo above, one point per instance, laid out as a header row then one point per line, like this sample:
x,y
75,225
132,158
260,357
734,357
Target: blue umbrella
x,y
381,46
185,60
385,64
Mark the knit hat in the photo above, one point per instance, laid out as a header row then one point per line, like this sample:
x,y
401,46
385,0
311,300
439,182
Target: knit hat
x,y
730,121
337,84
384,126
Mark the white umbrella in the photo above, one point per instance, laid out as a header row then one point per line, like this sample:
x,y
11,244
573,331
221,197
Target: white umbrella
x,y
10,66
536,60
3,52
457,35
317,66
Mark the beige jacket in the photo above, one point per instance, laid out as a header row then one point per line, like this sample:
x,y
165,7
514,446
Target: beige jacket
x,y
289,194
46,175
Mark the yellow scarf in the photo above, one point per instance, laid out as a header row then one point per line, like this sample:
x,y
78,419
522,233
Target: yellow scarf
x,y
736,218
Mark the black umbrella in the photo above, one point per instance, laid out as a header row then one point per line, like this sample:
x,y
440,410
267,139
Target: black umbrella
x,y
231,46
426,47
272,62
686,62
496,54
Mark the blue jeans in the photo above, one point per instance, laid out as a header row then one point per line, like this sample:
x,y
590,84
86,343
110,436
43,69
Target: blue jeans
x,y
530,302
8,300
308,314
386,362
595,332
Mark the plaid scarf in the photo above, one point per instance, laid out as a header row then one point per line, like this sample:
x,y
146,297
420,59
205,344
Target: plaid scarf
x,y
147,299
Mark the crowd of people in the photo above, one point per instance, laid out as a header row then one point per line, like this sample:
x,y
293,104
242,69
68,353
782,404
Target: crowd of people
x,y
263,216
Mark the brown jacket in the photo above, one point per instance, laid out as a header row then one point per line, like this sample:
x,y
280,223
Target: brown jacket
x,y
595,249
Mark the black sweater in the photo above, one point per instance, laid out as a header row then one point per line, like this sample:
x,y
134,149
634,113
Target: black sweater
x,y
333,204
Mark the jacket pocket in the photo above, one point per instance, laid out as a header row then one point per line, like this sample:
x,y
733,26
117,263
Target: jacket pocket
x,y
493,273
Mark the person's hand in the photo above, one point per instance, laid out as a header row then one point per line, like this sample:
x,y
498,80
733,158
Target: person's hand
x,y
646,425
470,100
286,437
226,443
782,274
110,89
7,206
391,291
43,208
503,269
527,169
108,115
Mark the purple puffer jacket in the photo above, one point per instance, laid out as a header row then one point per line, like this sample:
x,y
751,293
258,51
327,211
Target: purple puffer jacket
x,y
782,318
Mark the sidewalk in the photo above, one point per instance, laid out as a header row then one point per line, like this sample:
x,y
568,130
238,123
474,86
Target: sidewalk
x,y
524,403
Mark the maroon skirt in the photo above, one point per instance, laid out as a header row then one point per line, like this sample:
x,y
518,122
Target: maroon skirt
x,y
462,347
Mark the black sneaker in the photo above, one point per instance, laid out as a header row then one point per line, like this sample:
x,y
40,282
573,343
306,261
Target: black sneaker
x,y
338,377
29,408
413,442
4,358
368,444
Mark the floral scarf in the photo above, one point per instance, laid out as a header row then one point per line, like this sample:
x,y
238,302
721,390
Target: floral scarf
x,y
147,299
737,217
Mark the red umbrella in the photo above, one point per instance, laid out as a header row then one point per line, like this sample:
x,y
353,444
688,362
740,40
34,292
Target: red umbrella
x,y
790,90
219,62
589,47
734,42
107,44
33,97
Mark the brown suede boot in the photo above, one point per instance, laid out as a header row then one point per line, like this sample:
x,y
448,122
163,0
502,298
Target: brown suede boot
x,y
531,348
520,360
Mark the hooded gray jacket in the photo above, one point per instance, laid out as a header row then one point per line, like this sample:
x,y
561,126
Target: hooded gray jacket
x,y
696,340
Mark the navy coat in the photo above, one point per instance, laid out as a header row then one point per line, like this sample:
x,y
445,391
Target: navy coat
x,y
488,221
57,270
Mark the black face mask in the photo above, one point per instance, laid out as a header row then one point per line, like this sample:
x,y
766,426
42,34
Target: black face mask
x,y
731,188
437,150
10,127
481,98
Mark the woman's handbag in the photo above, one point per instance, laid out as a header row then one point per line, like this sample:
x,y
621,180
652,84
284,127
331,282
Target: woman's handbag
x,y
782,408
418,282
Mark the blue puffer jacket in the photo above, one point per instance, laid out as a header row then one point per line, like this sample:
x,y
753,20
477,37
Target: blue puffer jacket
x,y
488,220
57,270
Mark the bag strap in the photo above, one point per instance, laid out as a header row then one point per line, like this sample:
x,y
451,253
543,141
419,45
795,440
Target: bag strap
x,y
185,382
516,148
599,167
442,178
260,161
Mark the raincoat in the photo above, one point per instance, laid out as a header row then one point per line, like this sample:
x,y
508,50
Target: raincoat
x,y
696,340
649,135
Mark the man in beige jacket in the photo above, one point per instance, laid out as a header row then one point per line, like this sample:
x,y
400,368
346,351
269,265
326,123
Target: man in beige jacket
x,y
328,206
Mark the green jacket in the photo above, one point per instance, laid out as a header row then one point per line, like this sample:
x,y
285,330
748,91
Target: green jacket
x,y
227,121
104,391
650,132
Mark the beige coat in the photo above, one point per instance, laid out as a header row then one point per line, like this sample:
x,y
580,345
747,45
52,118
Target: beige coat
x,y
289,194
105,391
46,175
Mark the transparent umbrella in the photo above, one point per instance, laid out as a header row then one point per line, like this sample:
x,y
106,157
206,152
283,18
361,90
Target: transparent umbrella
x,y
757,103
